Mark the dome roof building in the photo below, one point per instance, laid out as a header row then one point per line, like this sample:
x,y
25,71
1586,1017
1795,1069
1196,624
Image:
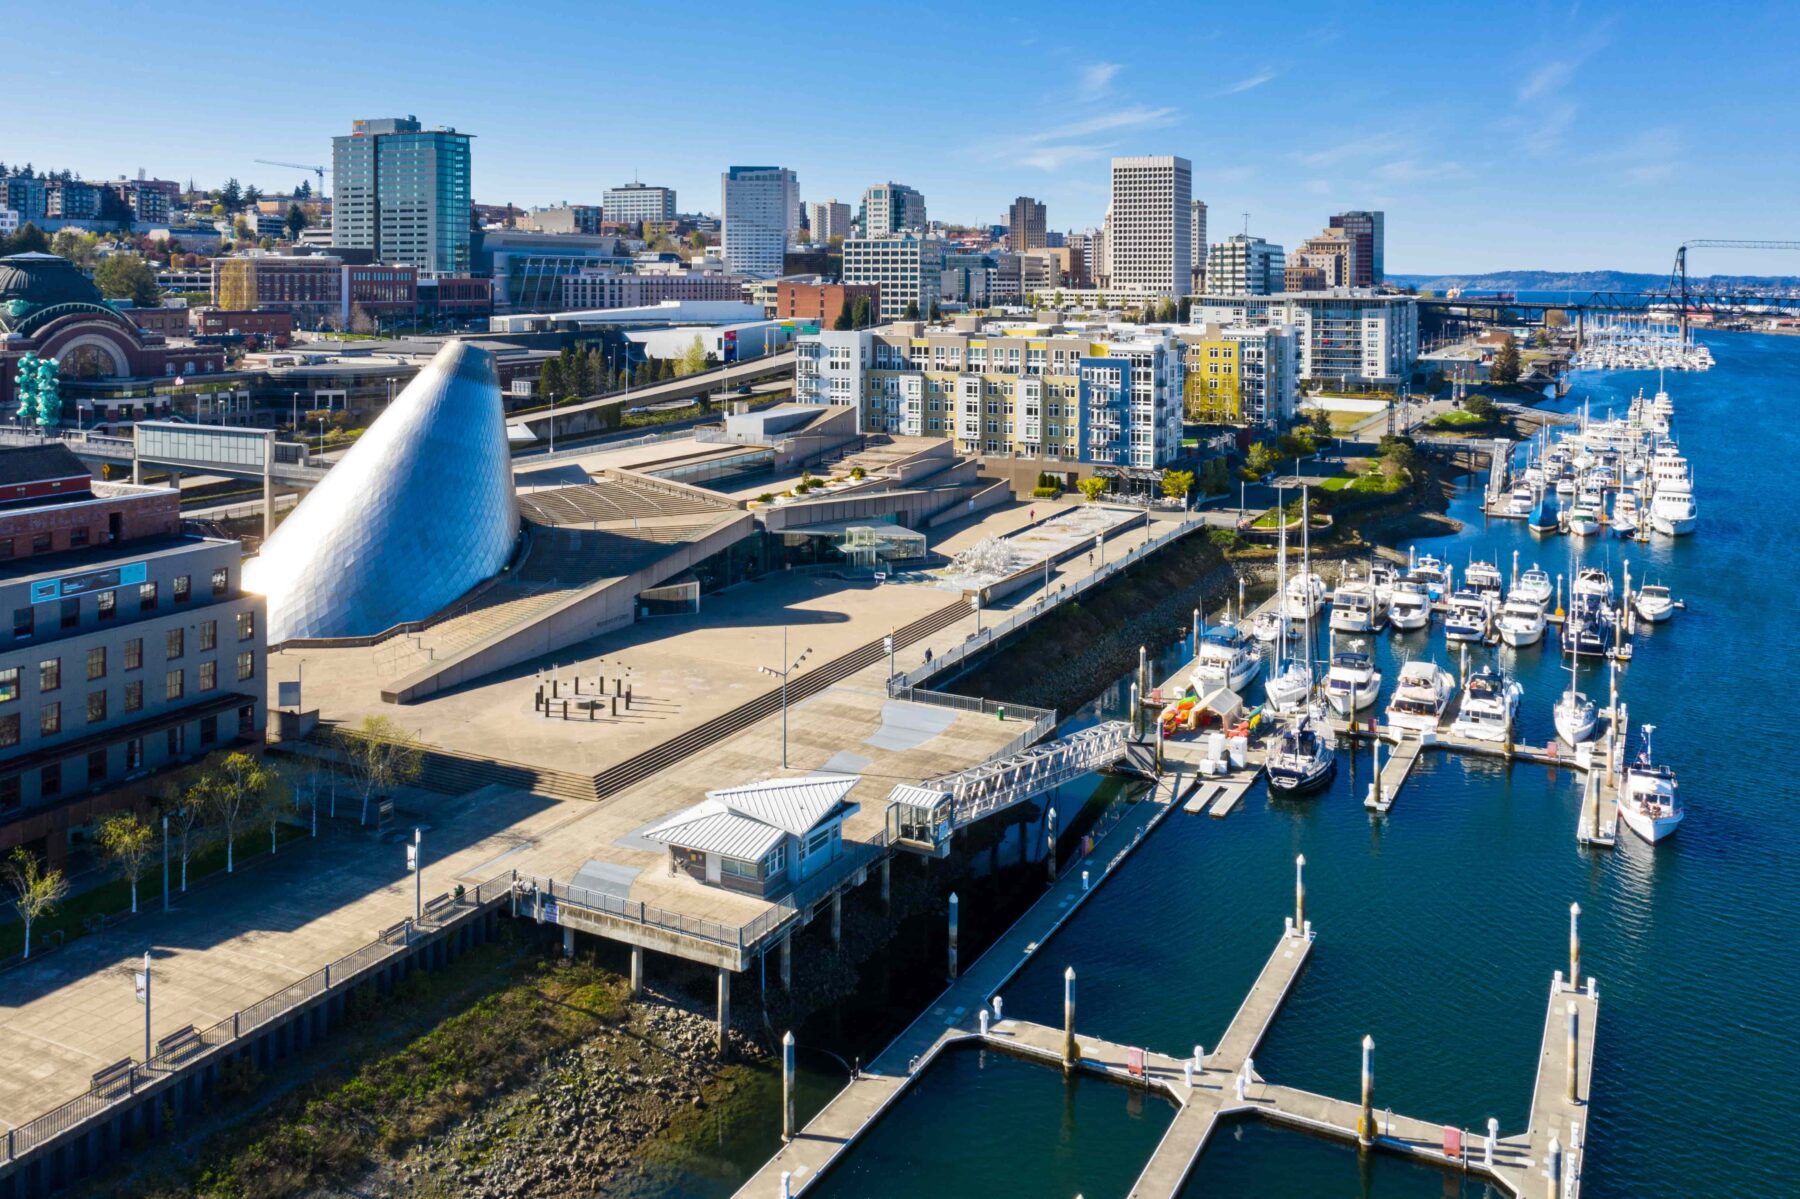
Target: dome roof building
x,y
417,512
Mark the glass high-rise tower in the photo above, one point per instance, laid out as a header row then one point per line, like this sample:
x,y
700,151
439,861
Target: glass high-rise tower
x,y
402,191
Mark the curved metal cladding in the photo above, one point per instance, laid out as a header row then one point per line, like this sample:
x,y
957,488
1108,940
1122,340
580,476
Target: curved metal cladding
x,y
420,510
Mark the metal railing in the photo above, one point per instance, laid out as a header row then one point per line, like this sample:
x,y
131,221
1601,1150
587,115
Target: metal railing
x,y
1004,781
185,1052
976,642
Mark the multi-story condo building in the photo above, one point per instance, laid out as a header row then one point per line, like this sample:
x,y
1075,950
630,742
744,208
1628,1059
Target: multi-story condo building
x,y
315,288
889,208
1074,397
1345,336
27,195
1026,225
1244,265
73,200
635,202
1332,253
566,218
1197,238
907,268
401,191
134,648
1240,375
1150,224
620,289
828,220
1366,232
1301,276
761,211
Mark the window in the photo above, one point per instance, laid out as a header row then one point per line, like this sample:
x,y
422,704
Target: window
x,y
209,729
71,613
134,653
221,582
9,684
24,623
174,685
246,622
50,719
96,663
6,547
209,635
775,861
247,719
183,589
134,695
738,869
134,753
176,740
40,543
77,537
50,780
146,597
209,675
246,665
11,793
49,674
96,706
176,645
96,767
9,729
818,839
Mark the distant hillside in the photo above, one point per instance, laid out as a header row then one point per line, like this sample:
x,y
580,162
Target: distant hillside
x,y
1520,281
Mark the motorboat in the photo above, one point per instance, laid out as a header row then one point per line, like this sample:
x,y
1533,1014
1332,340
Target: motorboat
x,y
1583,520
1591,583
1653,603
1420,696
1546,516
1302,757
1647,800
1357,607
1352,683
1484,577
1625,514
1672,511
1304,596
1490,701
1382,578
1270,624
1411,607
1226,659
1519,501
1437,576
1470,617
1522,622
1535,585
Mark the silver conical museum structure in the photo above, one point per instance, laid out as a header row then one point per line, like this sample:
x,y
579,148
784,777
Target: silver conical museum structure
x,y
420,510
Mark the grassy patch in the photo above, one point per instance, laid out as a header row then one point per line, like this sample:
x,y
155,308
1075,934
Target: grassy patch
x,y
1336,483
114,896
387,1099
1456,420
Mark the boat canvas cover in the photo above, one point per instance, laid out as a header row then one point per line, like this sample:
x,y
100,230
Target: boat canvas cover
x,y
1223,702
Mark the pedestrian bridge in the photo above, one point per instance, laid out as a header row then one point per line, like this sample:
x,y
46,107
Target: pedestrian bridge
x,y
922,816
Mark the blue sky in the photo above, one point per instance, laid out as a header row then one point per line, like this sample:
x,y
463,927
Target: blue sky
x,y
1556,136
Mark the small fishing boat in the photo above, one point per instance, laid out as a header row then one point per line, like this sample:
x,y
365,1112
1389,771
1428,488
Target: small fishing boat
x,y
1647,800
1653,603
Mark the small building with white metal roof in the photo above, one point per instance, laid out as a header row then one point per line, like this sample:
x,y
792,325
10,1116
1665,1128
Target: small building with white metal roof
x,y
761,838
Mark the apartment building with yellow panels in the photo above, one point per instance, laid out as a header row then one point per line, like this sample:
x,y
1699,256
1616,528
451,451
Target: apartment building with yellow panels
x,y
1239,375
1097,396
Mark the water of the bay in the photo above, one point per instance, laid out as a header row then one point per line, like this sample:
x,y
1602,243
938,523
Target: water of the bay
x,y
1439,926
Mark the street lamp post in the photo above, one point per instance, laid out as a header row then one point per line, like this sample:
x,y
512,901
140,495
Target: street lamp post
x,y
418,872
783,674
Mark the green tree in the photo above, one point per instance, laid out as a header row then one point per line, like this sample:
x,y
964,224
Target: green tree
x,y
125,841
1184,309
187,815
1319,421
231,195
235,787
36,891
80,248
252,196
1261,459
550,378
912,311
693,359
844,319
1505,369
29,240
1166,311
382,755
296,222
1481,408
863,313
1177,483
937,313
128,277
1092,488
1215,477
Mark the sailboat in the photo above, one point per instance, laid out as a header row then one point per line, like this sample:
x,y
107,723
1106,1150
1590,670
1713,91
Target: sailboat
x,y
1288,689
1575,714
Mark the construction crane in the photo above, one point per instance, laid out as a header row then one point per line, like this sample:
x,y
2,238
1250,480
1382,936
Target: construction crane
x,y
320,171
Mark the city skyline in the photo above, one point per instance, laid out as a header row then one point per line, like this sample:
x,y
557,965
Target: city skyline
x,y
1542,156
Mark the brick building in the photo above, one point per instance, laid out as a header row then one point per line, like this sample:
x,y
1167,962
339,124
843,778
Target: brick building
x,y
823,302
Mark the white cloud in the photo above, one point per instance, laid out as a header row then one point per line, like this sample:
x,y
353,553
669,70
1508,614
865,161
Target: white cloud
x,y
1055,148
1254,81
1411,170
1374,145
1319,187
1547,80
1096,79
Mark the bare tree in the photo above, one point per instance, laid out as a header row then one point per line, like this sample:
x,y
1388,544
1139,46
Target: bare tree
x,y
381,755
126,841
37,891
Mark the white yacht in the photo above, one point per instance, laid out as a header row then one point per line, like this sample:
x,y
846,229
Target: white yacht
x,y
1227,659
1304,597
1483,577
1358,607
1436,575
1672,511
1522,622
1647,797
1625,514
1411,607
1352,683
1583,519
1519,501
1535,585
1470,618
1420,696
1271,625
1302,757
1653,603
1489,703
